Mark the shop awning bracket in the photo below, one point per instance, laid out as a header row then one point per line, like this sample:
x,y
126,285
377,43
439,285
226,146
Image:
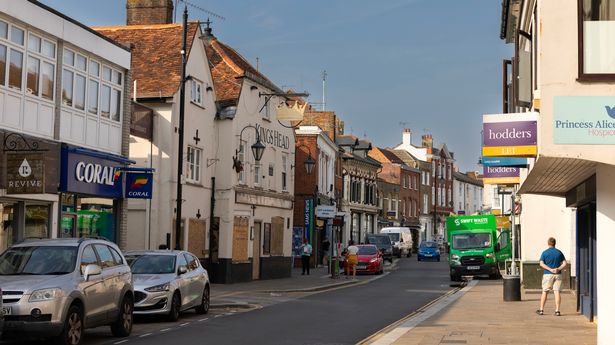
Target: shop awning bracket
x,y
16,142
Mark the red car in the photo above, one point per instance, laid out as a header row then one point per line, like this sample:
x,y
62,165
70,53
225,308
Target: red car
x,y
370,259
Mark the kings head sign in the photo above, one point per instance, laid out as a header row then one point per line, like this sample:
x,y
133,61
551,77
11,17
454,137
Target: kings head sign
x,y
510,135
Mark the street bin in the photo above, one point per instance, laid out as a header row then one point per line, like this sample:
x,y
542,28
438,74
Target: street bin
x,y
512,288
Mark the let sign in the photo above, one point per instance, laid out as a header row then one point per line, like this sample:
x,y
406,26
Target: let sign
x,y
510,135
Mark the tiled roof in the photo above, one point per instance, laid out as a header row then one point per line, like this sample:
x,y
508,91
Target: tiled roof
x,y
467,179
227,69
346,140
156,58
390,155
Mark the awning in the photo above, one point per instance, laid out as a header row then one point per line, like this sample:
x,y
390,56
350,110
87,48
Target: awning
x,y
555,176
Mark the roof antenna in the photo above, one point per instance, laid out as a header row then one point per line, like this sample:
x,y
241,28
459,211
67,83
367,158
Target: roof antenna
x,y
324,79
258,60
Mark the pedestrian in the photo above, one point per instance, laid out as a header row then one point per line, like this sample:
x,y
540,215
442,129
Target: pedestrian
x,y
326,245
306,253
553,262
352,258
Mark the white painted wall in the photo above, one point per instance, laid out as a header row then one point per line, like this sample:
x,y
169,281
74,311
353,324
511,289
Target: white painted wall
x,y
605,237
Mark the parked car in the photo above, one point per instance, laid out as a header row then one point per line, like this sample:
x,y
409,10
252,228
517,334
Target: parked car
x,y
59,287
428,250
402,240
384,244
168,282
369,259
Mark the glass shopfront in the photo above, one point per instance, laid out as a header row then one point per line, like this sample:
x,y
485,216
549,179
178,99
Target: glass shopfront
x,y
37,218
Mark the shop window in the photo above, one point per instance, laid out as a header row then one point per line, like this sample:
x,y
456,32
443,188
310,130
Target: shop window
x,y
37,221
597,33
194,164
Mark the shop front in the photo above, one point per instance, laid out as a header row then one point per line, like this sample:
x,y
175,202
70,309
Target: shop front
x,y
92,189
28,190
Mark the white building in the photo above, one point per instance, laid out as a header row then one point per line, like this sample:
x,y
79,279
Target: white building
x,y
467,194
64,118
566,75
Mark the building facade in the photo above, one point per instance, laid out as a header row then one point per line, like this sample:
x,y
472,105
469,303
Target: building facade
x,y
467,193
64,121
565,73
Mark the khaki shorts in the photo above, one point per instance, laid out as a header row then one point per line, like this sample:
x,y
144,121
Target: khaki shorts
x,y
552,282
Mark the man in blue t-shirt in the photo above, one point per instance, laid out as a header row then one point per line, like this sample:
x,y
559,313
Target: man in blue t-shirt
x,y
553,262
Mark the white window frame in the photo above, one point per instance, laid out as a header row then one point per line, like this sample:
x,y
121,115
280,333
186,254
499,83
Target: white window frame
x,y
196,92
284,173
257,175
241,153
194,161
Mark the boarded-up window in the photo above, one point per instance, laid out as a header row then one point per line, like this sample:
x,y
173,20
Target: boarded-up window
x,y
240,239
277,236
197,237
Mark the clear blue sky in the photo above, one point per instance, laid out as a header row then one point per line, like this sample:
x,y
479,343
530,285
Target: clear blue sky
x,y
434,65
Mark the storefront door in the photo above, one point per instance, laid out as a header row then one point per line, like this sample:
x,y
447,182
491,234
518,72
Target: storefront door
x,y
586,256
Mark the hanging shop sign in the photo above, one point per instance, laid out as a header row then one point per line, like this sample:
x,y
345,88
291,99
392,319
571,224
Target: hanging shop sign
x,y
90,174
504,162
138,185
273,137
325,211
584,120
510,135
501,175
25,173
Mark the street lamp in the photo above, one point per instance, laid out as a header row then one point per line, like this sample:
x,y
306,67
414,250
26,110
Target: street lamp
x,y
309,162
258,148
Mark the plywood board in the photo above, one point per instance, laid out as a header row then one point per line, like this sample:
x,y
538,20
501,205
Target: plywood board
x,y
240,239
197,237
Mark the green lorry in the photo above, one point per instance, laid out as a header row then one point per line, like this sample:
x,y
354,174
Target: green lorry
x,y
476,246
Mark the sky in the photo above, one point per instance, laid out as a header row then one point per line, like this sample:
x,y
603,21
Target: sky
x,y
433,66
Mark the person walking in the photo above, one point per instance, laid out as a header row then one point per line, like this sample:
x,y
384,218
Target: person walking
x,y
306,253
326,245
553,262
352,259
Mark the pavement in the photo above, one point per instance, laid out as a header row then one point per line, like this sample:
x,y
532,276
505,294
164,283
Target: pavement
x,y
477,314
260,292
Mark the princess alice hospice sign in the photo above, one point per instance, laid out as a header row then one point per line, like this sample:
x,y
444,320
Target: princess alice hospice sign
x,y
510,135
584,120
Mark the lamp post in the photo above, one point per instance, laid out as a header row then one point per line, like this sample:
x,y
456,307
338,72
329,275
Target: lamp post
x,y
258,148
437,176
180,132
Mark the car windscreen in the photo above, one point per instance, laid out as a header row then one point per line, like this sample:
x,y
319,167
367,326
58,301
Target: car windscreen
x,y
393,236
151,264
429,245
368,250
468,241
38,260
379,239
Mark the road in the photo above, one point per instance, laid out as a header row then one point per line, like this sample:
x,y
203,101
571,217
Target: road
x,y
341,316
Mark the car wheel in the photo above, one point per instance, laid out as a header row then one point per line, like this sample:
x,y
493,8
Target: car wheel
x,y
204,307
123,325
176,304
72,333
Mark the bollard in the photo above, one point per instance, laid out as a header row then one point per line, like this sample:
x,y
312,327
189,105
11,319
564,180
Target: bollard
x,y
512,288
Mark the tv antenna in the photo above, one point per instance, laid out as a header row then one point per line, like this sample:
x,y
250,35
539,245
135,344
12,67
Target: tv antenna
x,y
198,8
324,80
403,124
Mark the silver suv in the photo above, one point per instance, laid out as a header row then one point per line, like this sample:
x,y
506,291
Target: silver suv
x,y
59,287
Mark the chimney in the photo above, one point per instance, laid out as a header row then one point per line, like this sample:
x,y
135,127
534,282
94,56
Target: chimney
x,y
407,137
146,12
427,142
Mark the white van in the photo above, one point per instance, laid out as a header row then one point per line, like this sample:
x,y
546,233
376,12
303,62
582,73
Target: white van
x,y
402,240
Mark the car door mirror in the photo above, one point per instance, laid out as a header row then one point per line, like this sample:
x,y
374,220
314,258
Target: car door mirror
x,y
91,270
182,270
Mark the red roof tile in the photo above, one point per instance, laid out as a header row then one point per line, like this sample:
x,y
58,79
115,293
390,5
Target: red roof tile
x,y
156,58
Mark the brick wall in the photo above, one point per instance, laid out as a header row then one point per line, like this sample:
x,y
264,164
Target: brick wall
x,y
304,183
141,12
325,120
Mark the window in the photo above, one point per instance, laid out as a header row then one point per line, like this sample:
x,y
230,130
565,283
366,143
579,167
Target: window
x,y
284,173
116,256
88,257
93,97
106,258
257,175
194,164
193,263
2,64
263,107
241,158
267,239
105,101
17,35
79,92
403,178
425,203
48,72
596,36
181,261
15,69
195,91
32,77
4,29
67,88
271,169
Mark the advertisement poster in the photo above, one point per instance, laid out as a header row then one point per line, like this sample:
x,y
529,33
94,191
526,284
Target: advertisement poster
x,y
297,240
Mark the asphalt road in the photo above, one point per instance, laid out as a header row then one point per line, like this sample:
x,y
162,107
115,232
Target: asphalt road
x,y
343,316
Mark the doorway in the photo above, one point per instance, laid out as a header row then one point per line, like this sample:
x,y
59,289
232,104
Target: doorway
x,y
586,256
256,251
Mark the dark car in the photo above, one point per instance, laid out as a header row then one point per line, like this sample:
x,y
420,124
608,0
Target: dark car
x,y
384,244
428,250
